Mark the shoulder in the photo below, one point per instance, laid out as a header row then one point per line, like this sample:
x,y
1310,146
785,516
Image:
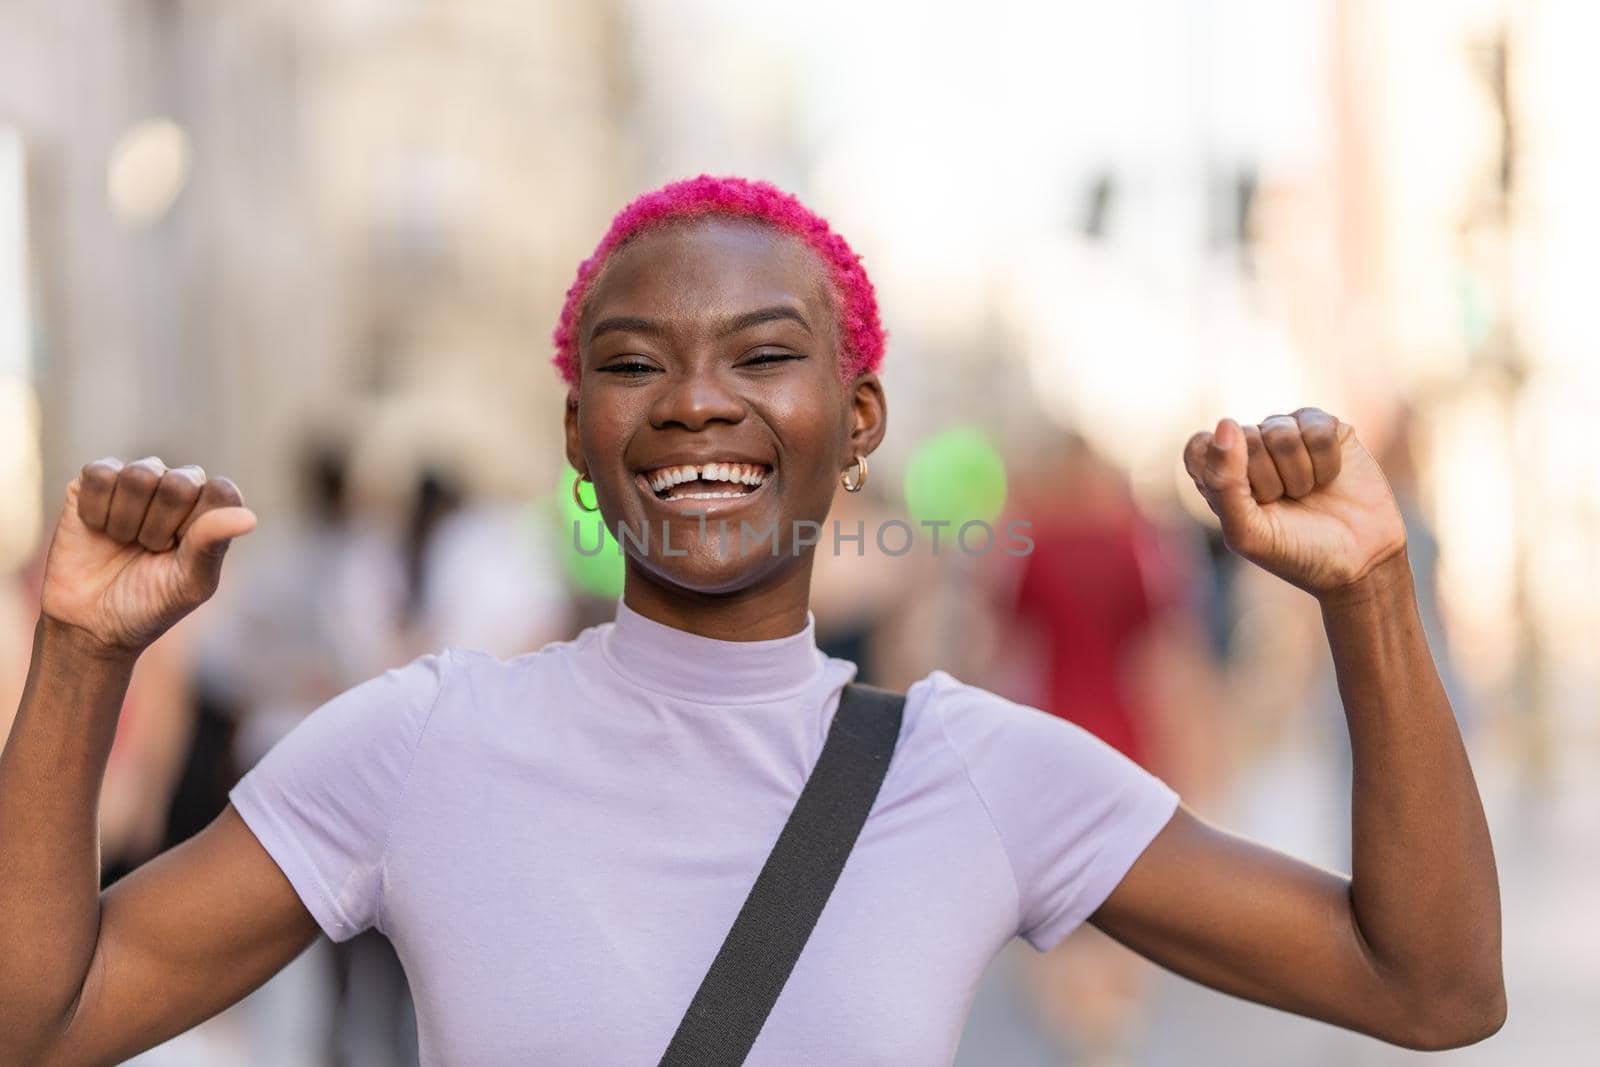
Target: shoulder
x,y
975,721
1072,813
1030,768
1015,743
484,676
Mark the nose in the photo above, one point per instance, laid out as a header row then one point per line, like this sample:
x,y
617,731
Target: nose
x,y
695,399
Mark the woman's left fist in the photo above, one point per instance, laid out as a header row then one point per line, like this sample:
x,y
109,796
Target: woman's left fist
x,y
1299,496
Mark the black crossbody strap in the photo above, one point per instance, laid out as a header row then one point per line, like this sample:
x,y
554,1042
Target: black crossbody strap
x,y
744,981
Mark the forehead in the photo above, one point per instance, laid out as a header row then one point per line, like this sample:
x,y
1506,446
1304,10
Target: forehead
x,y
706,270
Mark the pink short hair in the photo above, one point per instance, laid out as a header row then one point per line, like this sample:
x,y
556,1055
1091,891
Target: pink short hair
x,y
861,334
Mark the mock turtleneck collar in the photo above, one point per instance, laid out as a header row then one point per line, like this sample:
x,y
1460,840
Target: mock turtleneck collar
x,y
686,666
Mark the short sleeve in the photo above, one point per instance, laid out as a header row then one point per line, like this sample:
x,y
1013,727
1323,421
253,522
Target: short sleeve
x,y
321,802
1072,813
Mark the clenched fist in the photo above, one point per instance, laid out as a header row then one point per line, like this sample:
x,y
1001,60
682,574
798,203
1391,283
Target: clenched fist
x,y
138,547
1299,496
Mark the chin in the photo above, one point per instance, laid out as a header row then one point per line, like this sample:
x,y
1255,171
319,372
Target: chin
x,y
706,571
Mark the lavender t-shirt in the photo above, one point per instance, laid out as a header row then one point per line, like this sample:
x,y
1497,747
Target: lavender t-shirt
x,y
557,844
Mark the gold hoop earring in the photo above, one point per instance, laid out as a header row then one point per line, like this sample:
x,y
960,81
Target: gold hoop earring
x,y
578,496
861,476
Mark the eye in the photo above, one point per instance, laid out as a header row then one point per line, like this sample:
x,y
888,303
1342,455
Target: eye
x,y
770,358
627,368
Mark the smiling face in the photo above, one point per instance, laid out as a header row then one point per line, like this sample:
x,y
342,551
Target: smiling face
x,y
710,404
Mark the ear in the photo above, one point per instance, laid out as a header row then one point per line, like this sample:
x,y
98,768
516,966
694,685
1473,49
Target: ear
x,y
869,415
574,442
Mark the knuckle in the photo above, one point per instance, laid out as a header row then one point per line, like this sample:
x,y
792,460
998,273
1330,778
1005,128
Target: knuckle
x,y
139,477
223,490
1279,442
1323,429
1281,438
176,490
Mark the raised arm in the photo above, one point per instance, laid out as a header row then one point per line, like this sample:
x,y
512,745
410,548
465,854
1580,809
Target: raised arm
x,y
87,977
1407,948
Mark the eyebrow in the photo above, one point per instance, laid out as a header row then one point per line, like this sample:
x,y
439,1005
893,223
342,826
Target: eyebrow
x,y
652,328
776,313
627,324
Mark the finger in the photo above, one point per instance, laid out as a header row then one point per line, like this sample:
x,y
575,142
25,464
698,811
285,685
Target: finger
x,y
1320,432
202,549
1281,436
209,532
95,483
216,493
130,499
1265,485
1226,477
1194,456
175,496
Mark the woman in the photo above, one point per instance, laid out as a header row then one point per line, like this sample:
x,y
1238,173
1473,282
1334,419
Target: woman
x,y
557,845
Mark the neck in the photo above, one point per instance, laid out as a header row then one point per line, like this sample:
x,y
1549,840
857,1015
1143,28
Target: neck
x,y
764,611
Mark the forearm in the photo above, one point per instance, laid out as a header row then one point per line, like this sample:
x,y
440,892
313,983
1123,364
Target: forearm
x,y
1424,892
50,774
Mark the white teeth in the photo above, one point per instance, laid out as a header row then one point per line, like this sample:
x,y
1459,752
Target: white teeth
x,y
739,473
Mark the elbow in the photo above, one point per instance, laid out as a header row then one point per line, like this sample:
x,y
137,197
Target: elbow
x,y
1464,1016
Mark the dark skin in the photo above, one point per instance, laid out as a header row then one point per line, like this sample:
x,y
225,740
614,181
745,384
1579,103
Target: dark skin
x,y
717,342
684,359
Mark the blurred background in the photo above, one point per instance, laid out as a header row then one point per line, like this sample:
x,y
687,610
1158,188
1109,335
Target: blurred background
x,y
320,248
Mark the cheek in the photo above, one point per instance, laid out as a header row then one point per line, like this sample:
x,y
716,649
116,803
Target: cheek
x,y
604,422
812,449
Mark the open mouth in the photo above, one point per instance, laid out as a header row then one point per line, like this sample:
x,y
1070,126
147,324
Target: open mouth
x,y
706,481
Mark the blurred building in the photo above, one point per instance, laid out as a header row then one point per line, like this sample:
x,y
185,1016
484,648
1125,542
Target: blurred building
x,y
245,213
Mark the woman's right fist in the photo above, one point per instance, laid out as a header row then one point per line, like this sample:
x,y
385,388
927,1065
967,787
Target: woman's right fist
x,y
138,547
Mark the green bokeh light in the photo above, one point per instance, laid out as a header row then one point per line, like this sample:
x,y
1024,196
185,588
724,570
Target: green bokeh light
x,y
956,476
598,575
